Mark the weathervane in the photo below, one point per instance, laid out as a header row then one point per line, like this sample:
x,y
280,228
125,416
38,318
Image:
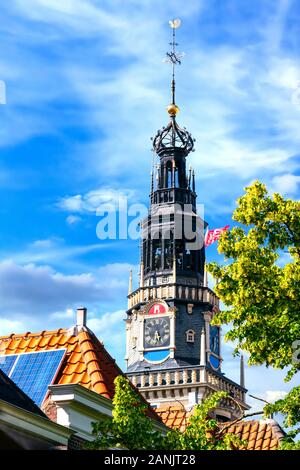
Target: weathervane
x,y
174,58
172,136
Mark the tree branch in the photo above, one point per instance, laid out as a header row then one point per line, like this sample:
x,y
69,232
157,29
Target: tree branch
x,y
293,237
239,419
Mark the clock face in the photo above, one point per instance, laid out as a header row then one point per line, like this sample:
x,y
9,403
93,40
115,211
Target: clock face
x,y
156,332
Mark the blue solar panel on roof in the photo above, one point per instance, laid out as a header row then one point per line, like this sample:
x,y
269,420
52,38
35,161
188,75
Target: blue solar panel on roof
x,y
34,372
7,362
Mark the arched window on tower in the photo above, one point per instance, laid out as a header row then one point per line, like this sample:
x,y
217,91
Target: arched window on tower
x,y
169,175
176,177
168,252
144,256
181,175
190,336
179,254
188,259
156,253
148,255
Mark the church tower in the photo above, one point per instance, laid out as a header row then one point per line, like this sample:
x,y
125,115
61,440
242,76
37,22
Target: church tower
x,y
172,350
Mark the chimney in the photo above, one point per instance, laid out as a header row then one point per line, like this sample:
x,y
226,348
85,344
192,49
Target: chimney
x,y
81,317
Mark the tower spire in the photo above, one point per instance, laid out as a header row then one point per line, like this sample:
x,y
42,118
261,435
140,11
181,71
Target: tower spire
x,y
169,332
173,57
172,136
174,25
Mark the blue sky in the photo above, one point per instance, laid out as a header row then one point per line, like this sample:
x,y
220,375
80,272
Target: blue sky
x,y
86,88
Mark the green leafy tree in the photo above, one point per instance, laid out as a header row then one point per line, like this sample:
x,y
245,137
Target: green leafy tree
x,y
130,428
260,285
204,433
290,407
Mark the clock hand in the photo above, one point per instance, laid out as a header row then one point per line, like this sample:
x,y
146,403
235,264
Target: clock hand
x,y
157,336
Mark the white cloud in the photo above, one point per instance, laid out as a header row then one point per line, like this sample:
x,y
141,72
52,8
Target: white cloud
x,y
244,160
110,323
110,328
289,79
274,395
33,290
7,327
91,201
72,204
237,95
88,18
47,243
78,16
120,270
258,379
270,395
73,219
223,117
54,251
68,314
35,298
286,184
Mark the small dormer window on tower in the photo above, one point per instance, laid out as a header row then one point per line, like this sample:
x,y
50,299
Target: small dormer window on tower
x,y
190,336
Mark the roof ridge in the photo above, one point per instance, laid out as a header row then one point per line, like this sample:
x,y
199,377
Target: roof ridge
x,y
104,350
28,334
101,343
277,430
92,363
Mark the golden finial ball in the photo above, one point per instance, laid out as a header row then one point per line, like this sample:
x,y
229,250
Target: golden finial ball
x,y
172,109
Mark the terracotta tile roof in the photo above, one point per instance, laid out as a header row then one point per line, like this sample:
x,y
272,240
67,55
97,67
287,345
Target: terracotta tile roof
x,y
264,434
86,362
259,434
175,416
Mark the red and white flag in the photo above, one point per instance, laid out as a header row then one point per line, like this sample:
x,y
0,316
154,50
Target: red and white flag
x,y
213,235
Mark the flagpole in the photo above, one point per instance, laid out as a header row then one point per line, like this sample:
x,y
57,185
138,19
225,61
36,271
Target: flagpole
x,y
205,235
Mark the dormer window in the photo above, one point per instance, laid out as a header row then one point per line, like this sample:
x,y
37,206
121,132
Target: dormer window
x,y
190,308
190,336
